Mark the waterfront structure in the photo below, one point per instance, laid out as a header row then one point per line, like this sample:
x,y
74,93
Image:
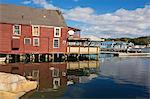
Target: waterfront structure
x,y
78,45
116,45
35,34
140,46
30,30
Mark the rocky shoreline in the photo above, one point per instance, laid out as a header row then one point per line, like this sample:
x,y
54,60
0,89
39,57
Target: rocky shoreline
x,y
13,86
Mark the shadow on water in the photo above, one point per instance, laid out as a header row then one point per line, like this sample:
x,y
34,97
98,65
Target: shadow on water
x,y
113,78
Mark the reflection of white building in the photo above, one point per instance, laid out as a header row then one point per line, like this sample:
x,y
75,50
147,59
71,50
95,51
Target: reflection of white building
x,y
85,79
82,72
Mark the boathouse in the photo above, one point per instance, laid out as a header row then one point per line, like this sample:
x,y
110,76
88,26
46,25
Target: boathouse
x,y
26,30
29,30
36,33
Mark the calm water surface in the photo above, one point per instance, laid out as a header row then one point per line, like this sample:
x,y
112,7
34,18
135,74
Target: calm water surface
x,y
108,78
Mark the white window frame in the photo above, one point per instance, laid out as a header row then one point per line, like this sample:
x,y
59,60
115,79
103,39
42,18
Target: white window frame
x,y
34,41
25,40
54,42
14,29
54,83
55,28
33,34
35,73
55,72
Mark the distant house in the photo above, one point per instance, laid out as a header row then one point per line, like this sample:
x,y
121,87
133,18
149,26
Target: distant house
x,y
29,30
140,46
116,46
106,45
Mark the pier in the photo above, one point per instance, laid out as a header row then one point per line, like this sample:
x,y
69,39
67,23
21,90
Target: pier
x,y
123,54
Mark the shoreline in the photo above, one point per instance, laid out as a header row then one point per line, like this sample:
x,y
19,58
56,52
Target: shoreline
x,y
13,86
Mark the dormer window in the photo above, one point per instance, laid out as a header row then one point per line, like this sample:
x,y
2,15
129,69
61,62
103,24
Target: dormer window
x,y
17,30
57,32
35,30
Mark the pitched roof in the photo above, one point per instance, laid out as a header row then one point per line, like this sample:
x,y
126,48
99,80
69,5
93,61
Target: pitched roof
x,y
27,15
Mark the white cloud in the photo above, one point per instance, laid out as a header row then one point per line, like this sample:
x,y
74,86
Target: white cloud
x,y
26,2
43,3
121,23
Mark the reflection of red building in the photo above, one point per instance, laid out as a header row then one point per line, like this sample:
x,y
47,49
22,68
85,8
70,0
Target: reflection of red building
x,y
49,75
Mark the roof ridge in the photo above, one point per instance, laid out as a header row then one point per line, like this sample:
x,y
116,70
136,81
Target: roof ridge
x,y
40,8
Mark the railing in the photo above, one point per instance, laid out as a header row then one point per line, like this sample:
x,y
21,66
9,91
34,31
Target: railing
x,y
83,49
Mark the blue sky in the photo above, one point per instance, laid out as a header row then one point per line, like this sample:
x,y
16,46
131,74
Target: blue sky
x,y
101,18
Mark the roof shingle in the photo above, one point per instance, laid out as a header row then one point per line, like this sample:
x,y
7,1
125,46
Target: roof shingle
x,y
27,15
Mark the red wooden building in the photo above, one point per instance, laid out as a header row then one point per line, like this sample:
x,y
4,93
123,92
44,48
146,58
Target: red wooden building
x,y
29,30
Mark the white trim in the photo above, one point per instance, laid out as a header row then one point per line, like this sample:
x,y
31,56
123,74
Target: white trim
x,y
54,42
33,30
14,37
14,29
49,26
34,41
46,26
56,86
55,31
55,72
27,38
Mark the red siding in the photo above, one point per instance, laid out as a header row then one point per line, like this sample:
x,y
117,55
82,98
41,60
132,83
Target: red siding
x,y
15,43
5,37
46,40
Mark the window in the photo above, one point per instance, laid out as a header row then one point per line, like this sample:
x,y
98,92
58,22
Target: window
x,y
56,43
55,72
56,83
36,42
17,29
35,73
35,30
15,43
27,40
57,32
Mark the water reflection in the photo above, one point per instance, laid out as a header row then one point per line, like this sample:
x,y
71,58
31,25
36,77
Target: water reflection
x,y
128,70
113,78
54,76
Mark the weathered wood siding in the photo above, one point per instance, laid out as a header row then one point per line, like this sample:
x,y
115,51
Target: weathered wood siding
x,y
5,37
46,39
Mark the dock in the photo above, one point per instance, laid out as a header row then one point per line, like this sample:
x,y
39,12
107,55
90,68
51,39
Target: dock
x,y
123,54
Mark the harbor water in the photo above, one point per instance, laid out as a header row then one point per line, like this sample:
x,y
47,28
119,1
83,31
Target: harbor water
x,y
110,77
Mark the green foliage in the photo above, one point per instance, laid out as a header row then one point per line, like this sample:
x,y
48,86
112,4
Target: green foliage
x,y
137,41
141,40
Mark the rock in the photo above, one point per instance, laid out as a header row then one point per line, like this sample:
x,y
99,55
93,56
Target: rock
x,y
8,95
13,86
